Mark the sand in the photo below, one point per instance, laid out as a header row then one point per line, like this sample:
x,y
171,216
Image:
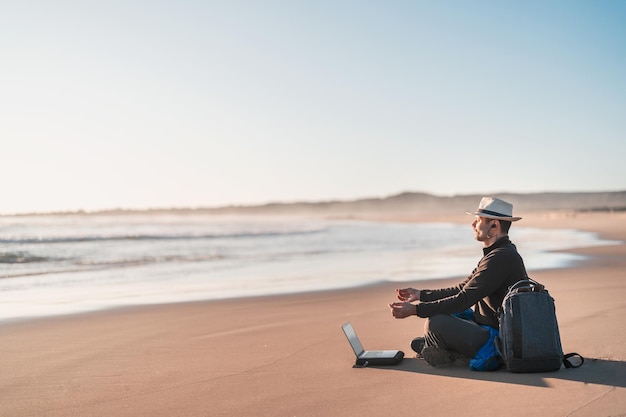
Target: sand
x,y
287,356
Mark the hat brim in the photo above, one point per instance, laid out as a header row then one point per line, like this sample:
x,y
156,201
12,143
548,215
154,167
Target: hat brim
x,y
489,216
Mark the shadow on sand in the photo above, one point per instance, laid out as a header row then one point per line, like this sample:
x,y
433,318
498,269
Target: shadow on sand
x,y
594,371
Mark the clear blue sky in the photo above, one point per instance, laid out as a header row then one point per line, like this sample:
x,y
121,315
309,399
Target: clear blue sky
x,y
142,104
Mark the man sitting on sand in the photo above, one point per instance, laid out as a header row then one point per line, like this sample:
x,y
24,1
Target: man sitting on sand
x,y
451,331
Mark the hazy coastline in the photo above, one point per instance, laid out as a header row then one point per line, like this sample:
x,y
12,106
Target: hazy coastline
x,y
403,204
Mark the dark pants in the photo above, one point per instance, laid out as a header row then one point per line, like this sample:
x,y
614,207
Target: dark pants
x,y
452,333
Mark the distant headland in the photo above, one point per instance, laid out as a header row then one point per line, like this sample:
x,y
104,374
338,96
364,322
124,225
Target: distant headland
x,y
403,204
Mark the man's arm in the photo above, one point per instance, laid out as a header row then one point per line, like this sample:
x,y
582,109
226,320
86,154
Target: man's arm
x,y
407,295
485,279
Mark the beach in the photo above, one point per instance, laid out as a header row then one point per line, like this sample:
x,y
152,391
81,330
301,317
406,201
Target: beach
x,y
285,355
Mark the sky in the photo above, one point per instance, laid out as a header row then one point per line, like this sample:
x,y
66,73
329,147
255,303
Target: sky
x,y
140,104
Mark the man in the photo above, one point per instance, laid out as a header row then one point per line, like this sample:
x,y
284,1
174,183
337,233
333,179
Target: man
x,y
451,331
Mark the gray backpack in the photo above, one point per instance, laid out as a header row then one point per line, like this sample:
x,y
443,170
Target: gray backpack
x,y
529,339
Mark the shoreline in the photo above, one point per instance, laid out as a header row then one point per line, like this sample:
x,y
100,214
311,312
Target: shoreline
x,y
432,281
286,355
544,220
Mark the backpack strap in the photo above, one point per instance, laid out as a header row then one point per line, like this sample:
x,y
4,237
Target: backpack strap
x,y
576,364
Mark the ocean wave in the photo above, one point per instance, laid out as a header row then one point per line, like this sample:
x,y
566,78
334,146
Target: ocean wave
x,y
147,260
149,237
98,265
21,258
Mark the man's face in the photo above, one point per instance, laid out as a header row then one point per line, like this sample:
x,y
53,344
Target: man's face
x,y
481,227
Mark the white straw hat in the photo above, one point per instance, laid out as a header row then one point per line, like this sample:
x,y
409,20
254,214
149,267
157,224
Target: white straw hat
x,y
494,208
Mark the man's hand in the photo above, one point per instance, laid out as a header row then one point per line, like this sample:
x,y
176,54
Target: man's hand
x,y
402,310
408,294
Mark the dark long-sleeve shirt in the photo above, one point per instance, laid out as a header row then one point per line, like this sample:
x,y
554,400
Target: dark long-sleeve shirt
x,y
500,267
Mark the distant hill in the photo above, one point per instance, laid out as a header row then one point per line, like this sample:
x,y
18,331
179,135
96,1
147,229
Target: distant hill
x,y
408,203
422,203
414,202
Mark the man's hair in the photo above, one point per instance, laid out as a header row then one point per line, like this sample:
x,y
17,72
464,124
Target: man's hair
x,y
505,225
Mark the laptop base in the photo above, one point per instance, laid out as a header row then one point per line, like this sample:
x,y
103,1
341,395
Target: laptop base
x,y
362,363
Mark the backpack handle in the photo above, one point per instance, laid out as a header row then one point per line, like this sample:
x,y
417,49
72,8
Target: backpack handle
x,y
527,285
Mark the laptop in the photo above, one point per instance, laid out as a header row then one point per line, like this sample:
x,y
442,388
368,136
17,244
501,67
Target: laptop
x,y
370,357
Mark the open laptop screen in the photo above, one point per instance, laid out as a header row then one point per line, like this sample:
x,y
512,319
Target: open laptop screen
x,y
353,339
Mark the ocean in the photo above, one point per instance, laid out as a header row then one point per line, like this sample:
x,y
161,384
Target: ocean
x,y
62,264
